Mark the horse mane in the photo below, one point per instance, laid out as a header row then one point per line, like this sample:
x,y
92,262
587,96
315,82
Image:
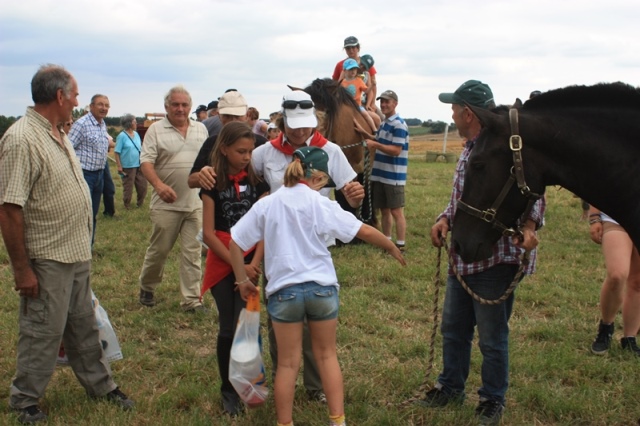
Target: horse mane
x,y
619,95
328,95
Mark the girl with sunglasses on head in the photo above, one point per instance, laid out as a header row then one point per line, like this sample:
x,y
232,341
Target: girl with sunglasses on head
x,y
236,189
302,284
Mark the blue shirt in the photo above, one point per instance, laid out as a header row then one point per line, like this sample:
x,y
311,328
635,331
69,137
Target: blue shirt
x,y
392,169
128,148
90,141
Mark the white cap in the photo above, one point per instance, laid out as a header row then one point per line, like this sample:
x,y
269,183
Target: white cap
x,y
296,118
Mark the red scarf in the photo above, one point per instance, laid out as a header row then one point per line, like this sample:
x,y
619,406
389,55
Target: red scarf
x,y
236,179
287,149
216,269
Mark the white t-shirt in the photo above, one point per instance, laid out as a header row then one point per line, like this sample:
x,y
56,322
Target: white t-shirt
x,y
294,223
271,164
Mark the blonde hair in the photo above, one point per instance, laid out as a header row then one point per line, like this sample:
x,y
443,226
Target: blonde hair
x,y
296,172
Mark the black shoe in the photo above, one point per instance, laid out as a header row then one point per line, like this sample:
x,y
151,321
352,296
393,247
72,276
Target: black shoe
x,y
629,344
489,412
146,298
401,247
232,404
30,415
317,396
198,310
118,398
601,345
436,398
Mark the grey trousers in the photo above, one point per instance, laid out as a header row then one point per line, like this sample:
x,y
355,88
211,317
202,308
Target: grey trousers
x,y
61,312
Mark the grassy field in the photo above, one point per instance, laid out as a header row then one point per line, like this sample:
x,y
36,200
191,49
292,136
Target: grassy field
x,y
383,337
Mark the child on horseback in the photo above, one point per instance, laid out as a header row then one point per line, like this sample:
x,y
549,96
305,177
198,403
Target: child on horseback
x,y
302,284
355,85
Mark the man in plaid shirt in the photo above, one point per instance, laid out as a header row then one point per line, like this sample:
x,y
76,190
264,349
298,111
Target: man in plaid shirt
x,y
488,278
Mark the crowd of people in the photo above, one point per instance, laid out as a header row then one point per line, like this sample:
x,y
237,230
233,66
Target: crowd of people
x,y
258,192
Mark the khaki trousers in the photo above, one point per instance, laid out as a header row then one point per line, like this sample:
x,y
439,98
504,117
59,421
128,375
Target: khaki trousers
x,y
167,226
61,312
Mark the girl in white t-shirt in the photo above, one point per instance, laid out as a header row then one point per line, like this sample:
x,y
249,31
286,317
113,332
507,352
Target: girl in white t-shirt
x,y
294,222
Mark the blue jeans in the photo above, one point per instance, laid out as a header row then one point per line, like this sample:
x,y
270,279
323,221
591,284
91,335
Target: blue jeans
x,y
460,315
108,192
95,181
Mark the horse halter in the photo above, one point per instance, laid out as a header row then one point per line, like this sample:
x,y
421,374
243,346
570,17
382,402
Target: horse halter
x,y
516,176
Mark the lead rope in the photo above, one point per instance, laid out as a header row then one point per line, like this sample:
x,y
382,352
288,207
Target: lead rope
x,y
426,382
366,180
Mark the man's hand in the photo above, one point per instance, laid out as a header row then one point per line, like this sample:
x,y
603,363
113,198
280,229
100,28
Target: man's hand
x,y
26,283
207,177
354,193
529,239
439,231
166,193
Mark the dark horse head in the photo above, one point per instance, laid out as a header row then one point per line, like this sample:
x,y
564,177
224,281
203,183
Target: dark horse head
x,y
581,138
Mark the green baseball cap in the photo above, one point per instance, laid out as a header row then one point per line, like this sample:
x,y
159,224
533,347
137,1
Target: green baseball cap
x,y
314,158
472,92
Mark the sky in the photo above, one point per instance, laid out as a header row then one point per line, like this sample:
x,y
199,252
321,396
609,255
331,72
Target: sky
x,y
135,51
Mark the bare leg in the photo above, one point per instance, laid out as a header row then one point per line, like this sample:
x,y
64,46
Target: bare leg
x,y
631,303
323,341
289,341
401,223
616,247
387,222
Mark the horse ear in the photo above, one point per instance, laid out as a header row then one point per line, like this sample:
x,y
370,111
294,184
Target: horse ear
x,y
294,88
517,103
487,118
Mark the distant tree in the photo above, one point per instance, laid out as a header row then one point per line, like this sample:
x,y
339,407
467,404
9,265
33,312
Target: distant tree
x,y
5,123
437,127
78,112
413,121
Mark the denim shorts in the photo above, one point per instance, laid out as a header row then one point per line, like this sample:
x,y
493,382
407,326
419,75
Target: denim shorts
x,y
305,300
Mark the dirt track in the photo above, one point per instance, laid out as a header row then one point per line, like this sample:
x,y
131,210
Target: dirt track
x,y
419,145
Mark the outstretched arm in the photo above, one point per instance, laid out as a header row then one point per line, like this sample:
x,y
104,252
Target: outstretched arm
x,y
377,238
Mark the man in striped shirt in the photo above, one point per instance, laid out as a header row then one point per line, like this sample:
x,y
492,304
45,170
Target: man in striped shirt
x,y
488,278
389,172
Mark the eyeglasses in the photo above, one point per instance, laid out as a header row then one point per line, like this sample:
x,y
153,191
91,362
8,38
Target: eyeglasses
x,y
305,104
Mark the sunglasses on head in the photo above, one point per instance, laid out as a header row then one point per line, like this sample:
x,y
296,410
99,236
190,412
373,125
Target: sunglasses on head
x,y
305,104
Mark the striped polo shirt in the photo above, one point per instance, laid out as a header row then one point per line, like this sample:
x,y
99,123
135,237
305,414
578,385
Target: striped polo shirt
x,y
391,169
45,179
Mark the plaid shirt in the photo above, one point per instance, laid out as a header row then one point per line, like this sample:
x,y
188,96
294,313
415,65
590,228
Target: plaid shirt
x,y
504,251
90,141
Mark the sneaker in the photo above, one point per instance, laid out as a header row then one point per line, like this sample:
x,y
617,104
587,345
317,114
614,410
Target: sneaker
x,y
197,310
317,396
489,412
232,404
601,345
146,298
401,247
436,398
118,398
629,344
30,415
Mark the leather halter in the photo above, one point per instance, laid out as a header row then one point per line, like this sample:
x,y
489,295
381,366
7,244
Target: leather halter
x,y
516,176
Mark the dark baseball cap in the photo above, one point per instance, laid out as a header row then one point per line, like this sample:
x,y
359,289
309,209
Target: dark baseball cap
x,y
212,105
388,94
472,92
200,109
314,158
351,41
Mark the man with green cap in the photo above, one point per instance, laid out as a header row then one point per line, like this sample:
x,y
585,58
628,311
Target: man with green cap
x,y
488,279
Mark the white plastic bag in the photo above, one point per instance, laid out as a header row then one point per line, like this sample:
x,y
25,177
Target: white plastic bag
x,y
246,369
108,338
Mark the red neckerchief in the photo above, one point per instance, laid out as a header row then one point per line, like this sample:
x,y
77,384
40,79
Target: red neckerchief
x,y
236,179
287,149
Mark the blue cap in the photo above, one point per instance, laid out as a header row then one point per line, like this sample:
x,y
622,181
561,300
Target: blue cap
x,y
349,64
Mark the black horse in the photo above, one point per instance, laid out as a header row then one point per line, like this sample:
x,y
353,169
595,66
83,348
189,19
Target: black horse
x,y
583,138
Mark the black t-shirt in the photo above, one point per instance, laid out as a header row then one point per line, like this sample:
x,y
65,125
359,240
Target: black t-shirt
x,y
228,208
205,151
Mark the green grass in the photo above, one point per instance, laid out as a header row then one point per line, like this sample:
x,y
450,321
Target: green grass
x,y
169,364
